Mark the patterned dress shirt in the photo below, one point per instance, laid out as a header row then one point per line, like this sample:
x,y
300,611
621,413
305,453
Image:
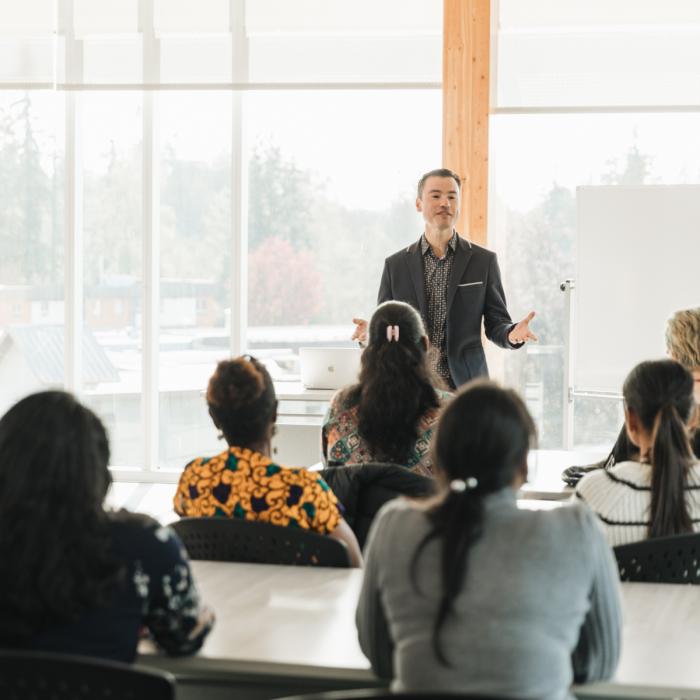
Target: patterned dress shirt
x,y
436,275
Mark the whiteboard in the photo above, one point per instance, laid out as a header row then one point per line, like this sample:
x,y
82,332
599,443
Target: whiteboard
x,y
637,262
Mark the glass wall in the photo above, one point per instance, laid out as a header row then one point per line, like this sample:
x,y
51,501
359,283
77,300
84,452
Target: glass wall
x,y
581,97
236,173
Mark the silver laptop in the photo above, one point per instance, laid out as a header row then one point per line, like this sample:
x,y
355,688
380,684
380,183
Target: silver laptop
x,y
329,368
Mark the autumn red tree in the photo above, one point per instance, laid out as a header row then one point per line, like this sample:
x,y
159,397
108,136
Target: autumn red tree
x,y
284,284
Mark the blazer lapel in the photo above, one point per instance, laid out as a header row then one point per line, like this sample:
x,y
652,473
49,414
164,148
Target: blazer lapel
x,y
414,260
459,265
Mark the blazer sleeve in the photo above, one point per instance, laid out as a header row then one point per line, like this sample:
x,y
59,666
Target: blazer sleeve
x,y
598,650
497,320
385,293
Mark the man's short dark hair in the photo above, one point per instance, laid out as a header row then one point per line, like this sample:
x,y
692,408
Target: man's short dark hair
x,y
440,172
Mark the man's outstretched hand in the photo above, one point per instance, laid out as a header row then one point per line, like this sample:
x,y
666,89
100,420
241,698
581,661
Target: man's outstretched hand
x,y
521,332
360,334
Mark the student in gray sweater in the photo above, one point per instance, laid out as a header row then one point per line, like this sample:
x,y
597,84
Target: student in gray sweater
x,y
467,593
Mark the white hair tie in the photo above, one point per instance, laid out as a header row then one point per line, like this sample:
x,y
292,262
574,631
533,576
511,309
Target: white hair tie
x,y
461,485
392,333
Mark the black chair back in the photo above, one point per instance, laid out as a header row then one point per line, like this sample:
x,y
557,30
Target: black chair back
x,y
383,694
364,488
661,560
251,541
40,676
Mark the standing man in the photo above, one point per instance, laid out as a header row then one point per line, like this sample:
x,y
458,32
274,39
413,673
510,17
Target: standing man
x,y
453,283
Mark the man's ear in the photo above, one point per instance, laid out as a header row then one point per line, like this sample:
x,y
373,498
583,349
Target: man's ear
x,y
425,342
419,204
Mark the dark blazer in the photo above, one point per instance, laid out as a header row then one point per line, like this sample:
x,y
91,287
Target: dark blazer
x,y
474,291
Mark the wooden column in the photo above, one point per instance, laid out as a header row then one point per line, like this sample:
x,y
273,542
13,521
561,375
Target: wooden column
x,y
465,116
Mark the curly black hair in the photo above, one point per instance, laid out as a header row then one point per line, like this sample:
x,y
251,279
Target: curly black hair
x,y
242,401
55,559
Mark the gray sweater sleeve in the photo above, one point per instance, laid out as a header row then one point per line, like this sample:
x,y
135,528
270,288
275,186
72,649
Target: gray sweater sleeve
x,y
372,627
598,650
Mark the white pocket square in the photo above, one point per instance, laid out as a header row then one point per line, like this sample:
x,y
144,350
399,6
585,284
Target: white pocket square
x,y
469,284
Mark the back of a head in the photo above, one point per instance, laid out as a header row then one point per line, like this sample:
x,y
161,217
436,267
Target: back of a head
x,y
54,454
54,477
484,433
396,384
660,394
683,338
481,447
241,400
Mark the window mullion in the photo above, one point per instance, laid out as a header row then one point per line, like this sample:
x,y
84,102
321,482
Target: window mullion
x,y
73,213
239,190
151,241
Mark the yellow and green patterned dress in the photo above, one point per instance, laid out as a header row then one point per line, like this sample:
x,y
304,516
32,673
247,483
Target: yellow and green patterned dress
x,y
241,483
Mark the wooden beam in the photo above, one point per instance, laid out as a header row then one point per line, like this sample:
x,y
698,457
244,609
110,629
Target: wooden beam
x,y
465,104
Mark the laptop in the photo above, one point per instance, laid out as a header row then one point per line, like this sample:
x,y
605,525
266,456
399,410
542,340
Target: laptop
x,y
329,368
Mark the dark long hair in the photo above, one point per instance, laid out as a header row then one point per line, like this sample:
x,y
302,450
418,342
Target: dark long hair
x,y
660,394
396,384
55,559
482,443
242,401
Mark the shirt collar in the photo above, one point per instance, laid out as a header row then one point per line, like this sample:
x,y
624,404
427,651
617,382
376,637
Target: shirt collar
x,y
425,246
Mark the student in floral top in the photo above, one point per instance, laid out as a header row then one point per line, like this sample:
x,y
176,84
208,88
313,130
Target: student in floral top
x,y
391,413
77,579
243,481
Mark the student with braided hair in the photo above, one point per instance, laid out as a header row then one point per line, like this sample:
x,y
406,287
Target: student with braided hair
x,y
466,593
660,494
243,481
390,414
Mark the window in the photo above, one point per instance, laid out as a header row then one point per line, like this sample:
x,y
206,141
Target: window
x,y
31,241
577,102
208,187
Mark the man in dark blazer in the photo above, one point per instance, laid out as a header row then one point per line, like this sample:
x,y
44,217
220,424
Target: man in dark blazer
x,y
453,283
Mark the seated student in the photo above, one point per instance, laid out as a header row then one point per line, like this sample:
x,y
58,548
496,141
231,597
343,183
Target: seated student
x,y
660,494
466,593
390,414
683,345
75,578
243,481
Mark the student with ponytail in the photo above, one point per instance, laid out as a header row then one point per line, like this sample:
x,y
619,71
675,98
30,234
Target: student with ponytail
x,y
390,414
660,494
466,593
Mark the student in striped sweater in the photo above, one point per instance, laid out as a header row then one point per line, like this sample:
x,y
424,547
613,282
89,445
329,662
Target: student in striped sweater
x,y
660,494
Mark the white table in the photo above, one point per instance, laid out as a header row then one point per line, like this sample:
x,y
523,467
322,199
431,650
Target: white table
x,y
544,472
296,625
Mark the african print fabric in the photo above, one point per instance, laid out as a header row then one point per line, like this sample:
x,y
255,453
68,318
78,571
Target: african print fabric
x,y
342,444
241,483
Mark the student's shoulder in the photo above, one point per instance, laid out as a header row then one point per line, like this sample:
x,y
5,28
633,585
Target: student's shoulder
x,y
575,515
140,536
592,480
622,478
344,399
199,464
402,514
